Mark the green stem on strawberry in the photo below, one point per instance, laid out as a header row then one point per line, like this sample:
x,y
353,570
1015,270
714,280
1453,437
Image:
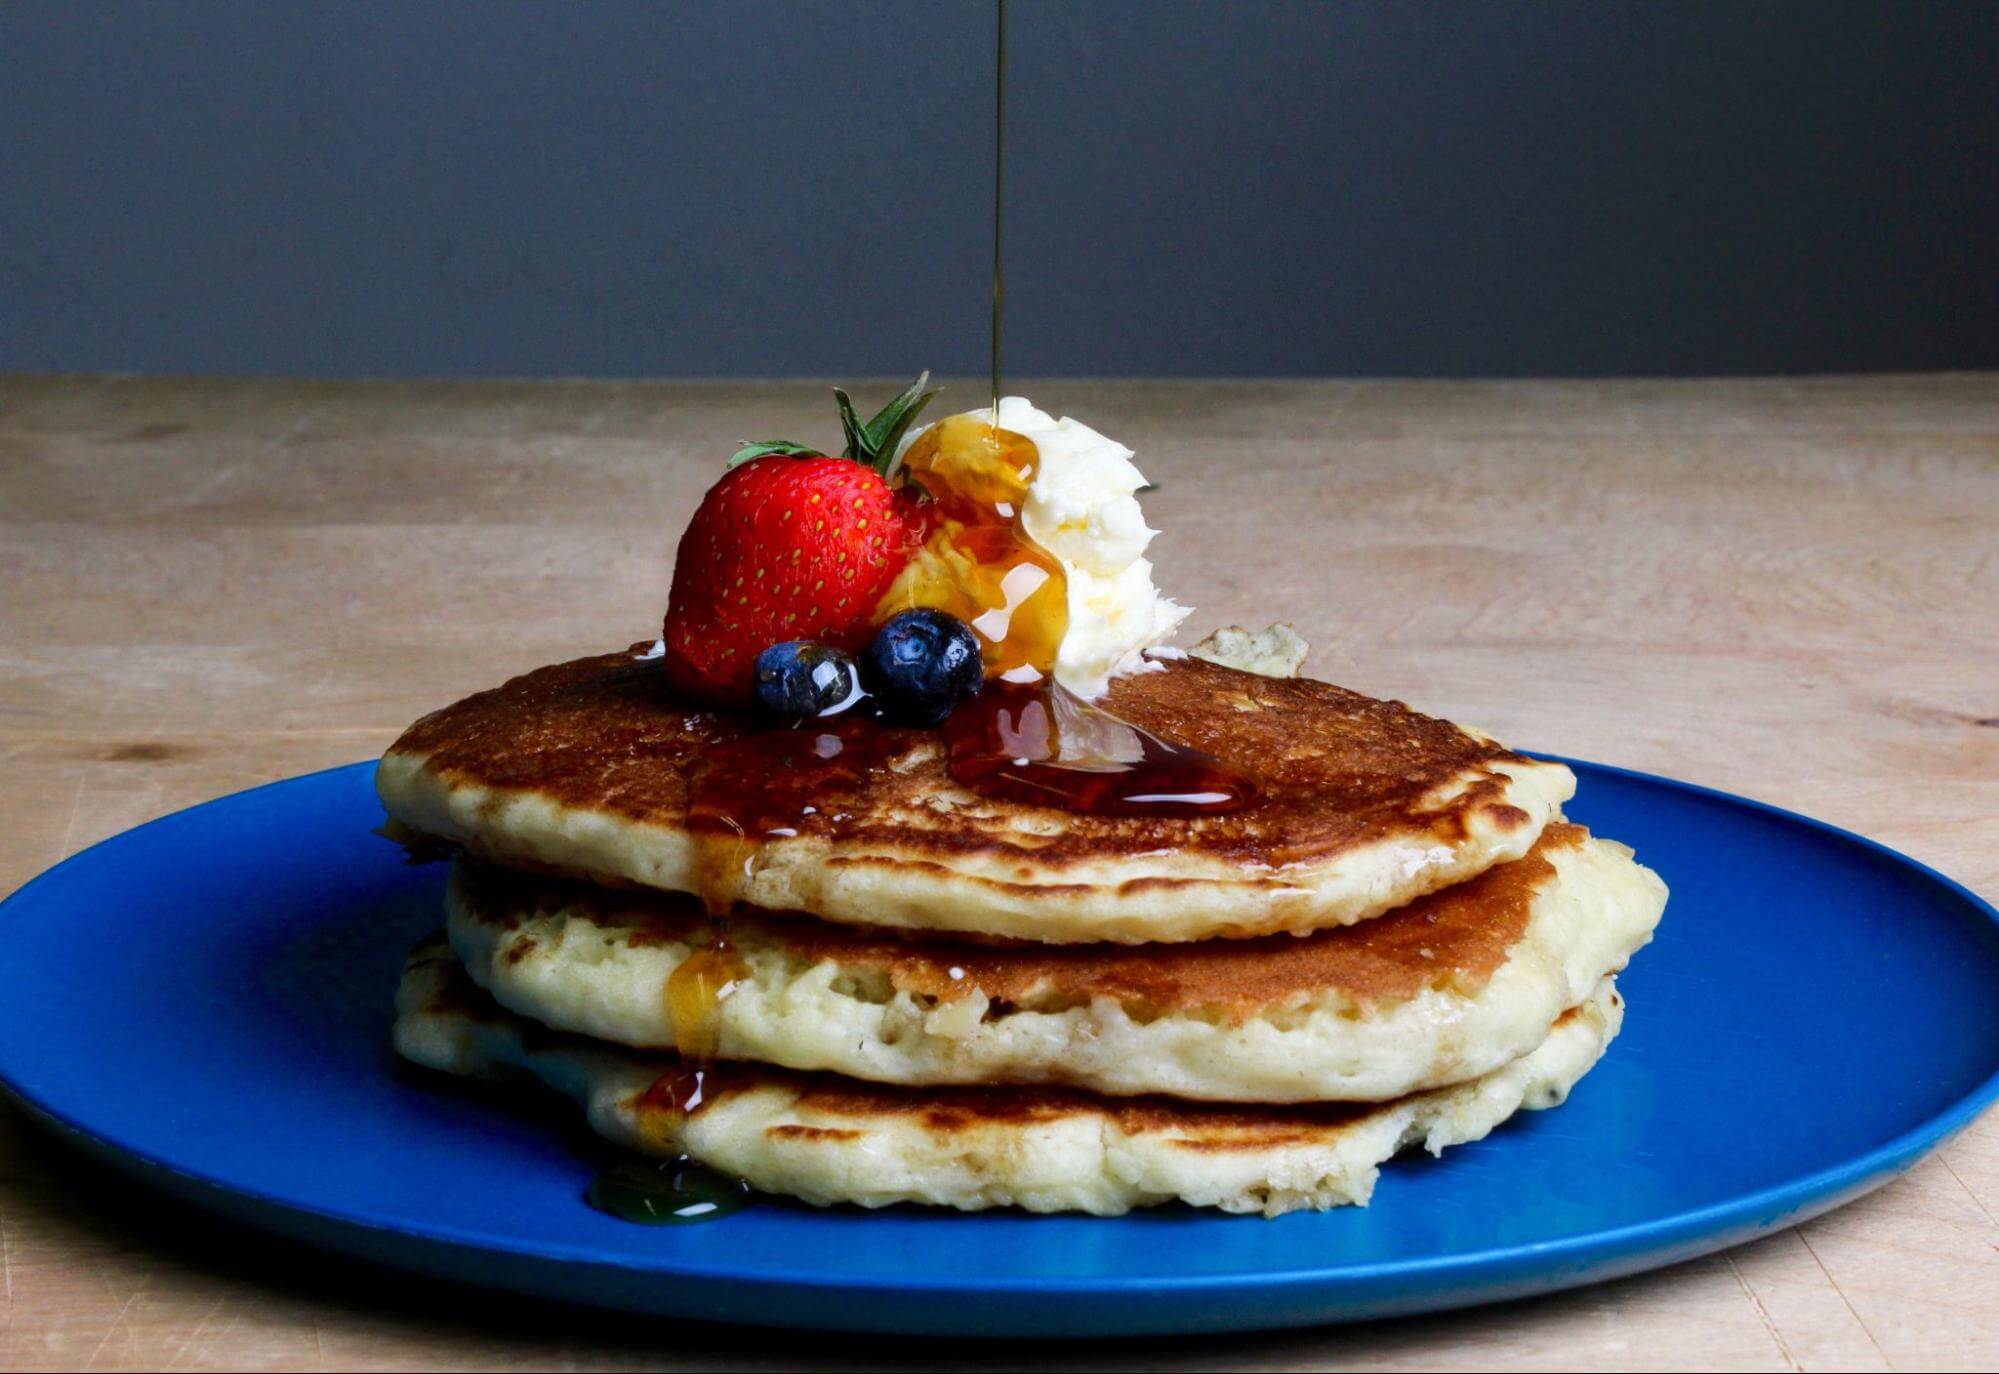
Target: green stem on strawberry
x,y
875,442
766,447
872,444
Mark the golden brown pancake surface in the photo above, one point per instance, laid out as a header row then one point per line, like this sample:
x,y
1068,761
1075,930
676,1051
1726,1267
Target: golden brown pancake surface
x,y
950,1109
941,1108
1455,938
1363,804
826,1140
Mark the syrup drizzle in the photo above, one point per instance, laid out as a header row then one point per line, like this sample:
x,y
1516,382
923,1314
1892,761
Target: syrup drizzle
x,y
722,867
680,1189
1045,747
694,994
977,562
752,786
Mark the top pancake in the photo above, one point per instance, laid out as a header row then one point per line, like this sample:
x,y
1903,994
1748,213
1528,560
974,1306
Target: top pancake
x,y
595,769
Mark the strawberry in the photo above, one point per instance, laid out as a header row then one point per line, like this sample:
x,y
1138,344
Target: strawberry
x,y
790,544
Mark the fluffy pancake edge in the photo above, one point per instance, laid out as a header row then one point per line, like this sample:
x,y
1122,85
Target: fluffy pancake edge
x,y
1388,1022
829,1141
945,859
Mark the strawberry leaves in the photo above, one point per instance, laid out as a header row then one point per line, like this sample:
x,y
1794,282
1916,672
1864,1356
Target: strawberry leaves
x,y
874,443
767,447
871,444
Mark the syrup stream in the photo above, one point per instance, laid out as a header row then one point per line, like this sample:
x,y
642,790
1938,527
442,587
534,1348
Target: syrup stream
x,y
1032,743
999,185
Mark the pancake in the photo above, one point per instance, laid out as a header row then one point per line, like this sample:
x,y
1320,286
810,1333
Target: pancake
x,y
831,1140
595,769
1450,987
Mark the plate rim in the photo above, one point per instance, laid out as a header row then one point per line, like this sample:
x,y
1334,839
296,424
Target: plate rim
x,y
1584,1258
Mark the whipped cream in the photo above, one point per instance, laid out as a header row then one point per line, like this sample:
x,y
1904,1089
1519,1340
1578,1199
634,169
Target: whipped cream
x,y
1082,507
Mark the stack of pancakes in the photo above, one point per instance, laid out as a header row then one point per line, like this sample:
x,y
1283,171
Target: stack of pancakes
x,y
809,959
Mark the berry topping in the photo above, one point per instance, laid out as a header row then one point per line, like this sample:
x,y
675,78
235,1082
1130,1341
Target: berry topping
x,y
790,545
921,665
798,678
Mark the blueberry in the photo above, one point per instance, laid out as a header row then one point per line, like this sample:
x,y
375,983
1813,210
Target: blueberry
x,y
799,678
921,665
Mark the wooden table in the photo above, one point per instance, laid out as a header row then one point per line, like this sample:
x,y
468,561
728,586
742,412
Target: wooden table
x,y
1784,588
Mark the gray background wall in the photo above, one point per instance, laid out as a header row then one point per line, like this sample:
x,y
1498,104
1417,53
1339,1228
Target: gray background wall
x,y
1197,188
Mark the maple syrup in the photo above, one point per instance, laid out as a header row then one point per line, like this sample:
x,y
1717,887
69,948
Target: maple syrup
x,y
763,782
675,1093
750,787
694,991
1024,738
725,821
669,1192
976,562
999,190
694,994
1046,747
680,1190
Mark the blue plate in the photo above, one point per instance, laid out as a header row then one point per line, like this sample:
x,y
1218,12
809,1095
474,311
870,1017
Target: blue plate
x,y
204,1002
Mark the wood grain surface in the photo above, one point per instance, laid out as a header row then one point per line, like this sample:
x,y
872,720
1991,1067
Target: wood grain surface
x,y
1783,588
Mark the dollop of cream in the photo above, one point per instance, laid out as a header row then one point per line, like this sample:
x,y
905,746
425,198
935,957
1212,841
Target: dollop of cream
x,y
1082,507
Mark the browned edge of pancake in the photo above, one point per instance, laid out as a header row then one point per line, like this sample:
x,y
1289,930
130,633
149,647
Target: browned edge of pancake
x,y
938,1109
1338,769
1456,938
